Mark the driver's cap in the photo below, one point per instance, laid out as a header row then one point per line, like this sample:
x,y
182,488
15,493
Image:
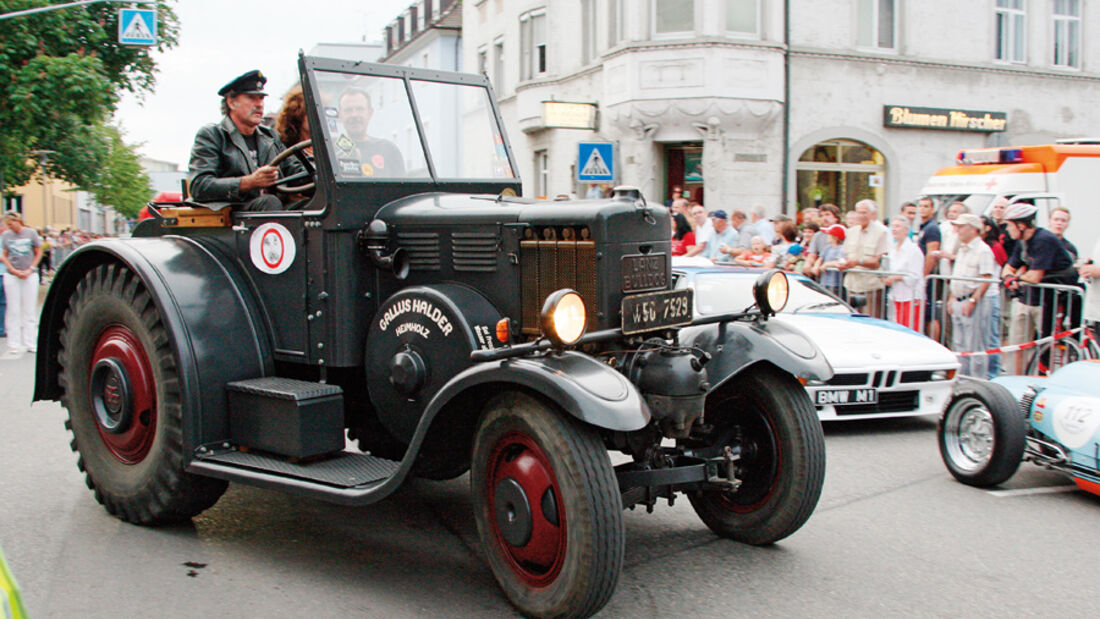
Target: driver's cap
x,y
251,83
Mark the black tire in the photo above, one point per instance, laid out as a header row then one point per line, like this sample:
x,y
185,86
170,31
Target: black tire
x,y
525,451
121,387
982,434
769,416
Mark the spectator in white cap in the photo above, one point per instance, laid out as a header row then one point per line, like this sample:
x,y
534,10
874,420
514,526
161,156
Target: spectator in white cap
x,y
970,304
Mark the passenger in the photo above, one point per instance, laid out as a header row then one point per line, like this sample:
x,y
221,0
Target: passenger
x,y
230,160
377,156
292,124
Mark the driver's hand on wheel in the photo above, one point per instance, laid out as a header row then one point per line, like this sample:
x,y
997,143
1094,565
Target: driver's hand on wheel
x,y
264,176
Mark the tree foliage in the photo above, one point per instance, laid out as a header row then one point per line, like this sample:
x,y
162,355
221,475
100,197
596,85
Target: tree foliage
x,y
61,75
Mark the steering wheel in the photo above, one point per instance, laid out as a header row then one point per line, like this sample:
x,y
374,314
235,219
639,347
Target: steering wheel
x,y
298,150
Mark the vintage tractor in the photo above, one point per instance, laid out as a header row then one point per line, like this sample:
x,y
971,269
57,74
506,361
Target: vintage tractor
x,y
423,310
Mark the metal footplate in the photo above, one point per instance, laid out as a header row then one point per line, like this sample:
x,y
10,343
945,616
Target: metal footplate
x,y
343,470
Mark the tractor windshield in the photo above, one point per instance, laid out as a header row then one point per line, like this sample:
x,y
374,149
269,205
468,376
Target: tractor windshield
x,y
377,127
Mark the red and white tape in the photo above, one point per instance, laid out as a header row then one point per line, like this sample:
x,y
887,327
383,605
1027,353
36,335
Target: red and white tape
x,y
1016,347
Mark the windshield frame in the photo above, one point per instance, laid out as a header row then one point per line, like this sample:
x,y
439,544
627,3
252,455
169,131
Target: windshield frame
x,y
310,66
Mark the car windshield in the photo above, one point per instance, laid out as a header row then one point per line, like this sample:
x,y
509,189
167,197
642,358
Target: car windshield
x,y
371,131
716,293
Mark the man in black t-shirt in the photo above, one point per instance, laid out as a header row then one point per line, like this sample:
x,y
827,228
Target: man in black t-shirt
x,y
929,240
1038,257
375,156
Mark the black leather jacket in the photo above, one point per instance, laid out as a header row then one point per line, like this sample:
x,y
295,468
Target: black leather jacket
x,y
220,158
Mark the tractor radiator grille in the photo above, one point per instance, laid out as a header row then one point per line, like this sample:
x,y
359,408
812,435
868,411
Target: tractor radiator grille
x,y
552,265
474,251
423,249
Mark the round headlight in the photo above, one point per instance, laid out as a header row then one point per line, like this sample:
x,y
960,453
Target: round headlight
x,y
770,292
563,317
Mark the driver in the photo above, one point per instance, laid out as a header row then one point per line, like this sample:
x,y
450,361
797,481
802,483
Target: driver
x,y
377,156
230,161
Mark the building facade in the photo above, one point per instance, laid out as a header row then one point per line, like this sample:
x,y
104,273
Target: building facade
x,y
784,103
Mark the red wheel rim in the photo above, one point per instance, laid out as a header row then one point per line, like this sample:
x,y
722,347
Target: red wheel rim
x,y
123,394
521,484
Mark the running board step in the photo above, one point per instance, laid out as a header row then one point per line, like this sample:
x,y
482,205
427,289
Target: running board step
x,y
344,469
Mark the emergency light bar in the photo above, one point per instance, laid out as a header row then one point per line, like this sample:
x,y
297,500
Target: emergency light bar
x,y
990,155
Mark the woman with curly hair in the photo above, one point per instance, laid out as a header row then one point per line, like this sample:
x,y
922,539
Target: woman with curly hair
x,y
292,124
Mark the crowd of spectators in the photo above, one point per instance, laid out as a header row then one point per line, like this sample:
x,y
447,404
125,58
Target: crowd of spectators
x,y
960,280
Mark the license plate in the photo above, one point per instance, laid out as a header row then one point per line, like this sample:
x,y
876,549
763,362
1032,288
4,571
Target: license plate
x,y
846,396
656,310
646,272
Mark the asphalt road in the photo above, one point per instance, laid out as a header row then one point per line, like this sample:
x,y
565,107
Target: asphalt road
x,y
893,535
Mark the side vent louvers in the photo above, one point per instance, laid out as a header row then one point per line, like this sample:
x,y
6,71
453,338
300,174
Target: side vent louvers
x,y
475,252
423,249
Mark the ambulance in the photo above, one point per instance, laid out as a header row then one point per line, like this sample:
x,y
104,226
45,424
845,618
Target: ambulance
x,y
1065,173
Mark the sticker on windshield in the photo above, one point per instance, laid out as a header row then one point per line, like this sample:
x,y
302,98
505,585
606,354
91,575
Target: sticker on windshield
x,y
272,248
350,167
345,144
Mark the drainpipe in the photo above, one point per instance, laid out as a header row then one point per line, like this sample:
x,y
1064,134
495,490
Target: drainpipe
x,y
786,104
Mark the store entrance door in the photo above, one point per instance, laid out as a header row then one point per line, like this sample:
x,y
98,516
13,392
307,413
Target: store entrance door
x,y
684,169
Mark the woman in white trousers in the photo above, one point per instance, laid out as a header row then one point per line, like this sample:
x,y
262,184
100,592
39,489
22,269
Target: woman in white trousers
x,y
22,250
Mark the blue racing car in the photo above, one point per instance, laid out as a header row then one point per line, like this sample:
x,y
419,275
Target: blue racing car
x,y
989,427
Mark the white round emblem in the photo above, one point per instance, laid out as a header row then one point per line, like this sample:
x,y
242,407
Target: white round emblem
x,y
272,248
1076,420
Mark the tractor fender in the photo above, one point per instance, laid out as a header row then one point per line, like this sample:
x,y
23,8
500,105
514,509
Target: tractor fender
x,y
735,346
207,309
591,391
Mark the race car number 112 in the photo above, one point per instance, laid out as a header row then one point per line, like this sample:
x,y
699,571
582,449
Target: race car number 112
x,y
657,310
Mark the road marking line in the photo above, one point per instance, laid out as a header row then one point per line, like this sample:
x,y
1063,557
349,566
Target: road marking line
x,y
1029,491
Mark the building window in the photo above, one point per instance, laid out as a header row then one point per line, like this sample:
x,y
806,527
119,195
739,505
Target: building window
x,y
429,12
13,203
588,31
1067,33
400,31
672,17
840,172
542,173
532,35
498,65
743,17
1011,31
414,22
877,24
616,20
482,60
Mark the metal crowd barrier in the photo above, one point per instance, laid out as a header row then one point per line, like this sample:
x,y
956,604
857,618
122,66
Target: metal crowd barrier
x,y
1047,333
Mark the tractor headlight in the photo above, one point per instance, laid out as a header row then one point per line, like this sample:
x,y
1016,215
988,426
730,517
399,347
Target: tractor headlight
x,y
563,317
771,291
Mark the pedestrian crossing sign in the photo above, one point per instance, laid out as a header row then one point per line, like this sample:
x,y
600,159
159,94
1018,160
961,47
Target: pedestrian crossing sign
x,y
595,162
137,26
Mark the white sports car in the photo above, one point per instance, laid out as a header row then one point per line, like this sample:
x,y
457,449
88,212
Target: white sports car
x,y
882,369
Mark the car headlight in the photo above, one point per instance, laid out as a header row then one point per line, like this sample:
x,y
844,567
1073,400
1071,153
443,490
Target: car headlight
x,y
943,374
563,317
771,291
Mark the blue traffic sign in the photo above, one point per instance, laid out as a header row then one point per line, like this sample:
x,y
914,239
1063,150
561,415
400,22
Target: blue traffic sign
x,y
137,26
595,162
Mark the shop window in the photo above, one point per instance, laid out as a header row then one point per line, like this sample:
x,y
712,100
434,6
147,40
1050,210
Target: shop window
x,y
13,203
532,41
877,24
1011,35
841,172
1067,34
672,18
